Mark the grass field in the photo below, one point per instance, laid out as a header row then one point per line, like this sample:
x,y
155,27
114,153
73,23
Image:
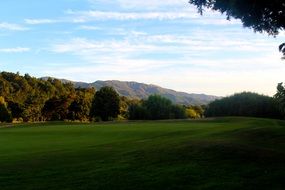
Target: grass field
x,y
225,153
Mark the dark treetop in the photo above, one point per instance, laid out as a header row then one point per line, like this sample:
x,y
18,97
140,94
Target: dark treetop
x,y
260,15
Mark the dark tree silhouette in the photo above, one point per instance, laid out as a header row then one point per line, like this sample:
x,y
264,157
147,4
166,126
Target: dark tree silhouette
x,y
260,15
280,97
106,104
282,49
5,116
244,104
154,108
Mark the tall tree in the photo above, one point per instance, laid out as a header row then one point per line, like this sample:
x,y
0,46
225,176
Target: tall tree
x,y
106,104
5,115
280,97
56,108
158,107
260,15
79,109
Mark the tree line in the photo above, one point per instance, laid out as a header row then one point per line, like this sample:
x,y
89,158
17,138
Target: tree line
x,y
245,104
29,99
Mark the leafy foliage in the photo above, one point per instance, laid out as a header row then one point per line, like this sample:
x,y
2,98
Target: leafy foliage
x,y
5,115
30,99
80,107
106,104
24,98
280,97
282,49
156,107
244,104
195,112
125,104
138,112
262,15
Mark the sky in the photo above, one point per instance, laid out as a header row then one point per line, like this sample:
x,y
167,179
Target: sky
x,y
166,43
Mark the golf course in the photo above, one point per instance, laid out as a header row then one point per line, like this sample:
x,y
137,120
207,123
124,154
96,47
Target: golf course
x,y
219,153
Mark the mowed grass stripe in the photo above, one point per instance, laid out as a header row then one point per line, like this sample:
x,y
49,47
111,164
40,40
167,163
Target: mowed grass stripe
x,y
224,153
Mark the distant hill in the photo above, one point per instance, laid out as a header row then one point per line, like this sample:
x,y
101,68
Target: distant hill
x,y
142,91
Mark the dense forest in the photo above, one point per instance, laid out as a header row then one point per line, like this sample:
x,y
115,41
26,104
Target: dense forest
x,y
245,104
29,99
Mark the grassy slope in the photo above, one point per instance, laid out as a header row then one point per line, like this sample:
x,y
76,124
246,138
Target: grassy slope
x,y
229,153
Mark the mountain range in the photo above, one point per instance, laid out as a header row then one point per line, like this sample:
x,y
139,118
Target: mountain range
x,y
136,90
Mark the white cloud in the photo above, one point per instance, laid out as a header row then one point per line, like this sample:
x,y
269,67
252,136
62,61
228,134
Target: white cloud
x,y
85,45
151,4
115,56
85,16
187,16
135,53
14,50
142,4
89,27
91,15
41,21
111,56
12,27
207,60
139,44
189,70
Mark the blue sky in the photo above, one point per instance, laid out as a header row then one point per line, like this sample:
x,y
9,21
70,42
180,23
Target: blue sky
x,y
159,42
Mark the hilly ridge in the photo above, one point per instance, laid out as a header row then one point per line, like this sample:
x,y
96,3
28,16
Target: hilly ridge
x,y
142,91
136,90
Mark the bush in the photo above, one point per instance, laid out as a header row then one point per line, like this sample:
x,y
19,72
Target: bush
x,y
191,113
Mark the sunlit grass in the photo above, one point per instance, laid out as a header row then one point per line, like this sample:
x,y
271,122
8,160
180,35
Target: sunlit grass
x,y
224,153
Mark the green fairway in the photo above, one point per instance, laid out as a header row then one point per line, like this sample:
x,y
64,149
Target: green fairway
x,y
225,153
